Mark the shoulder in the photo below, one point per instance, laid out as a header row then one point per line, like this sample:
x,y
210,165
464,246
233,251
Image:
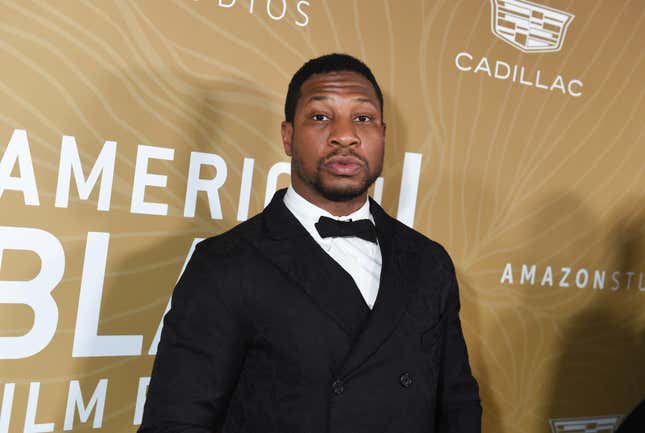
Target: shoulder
x,y
428,251
421,249
231,245
213,274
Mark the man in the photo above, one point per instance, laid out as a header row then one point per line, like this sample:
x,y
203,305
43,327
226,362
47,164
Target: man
x,y
294,322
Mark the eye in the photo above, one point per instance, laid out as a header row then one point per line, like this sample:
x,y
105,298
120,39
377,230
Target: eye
x,y
320,117
362,118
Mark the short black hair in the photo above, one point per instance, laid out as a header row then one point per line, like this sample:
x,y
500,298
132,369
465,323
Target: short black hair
x,y
322,65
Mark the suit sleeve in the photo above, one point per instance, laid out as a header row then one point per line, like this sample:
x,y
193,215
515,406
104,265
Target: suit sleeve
x,y
200,352
459,404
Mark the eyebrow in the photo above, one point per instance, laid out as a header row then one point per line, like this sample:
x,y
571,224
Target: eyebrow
x,y
323,98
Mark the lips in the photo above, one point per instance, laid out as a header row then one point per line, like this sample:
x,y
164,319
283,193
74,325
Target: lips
x,y
343,165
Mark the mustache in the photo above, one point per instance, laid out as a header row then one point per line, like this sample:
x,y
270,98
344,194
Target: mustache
x,y
342,152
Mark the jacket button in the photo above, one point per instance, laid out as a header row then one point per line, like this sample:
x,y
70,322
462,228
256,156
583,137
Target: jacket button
x,y
405,379
338,387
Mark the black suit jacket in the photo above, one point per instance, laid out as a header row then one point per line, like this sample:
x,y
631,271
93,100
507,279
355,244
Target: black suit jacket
x,y
267,334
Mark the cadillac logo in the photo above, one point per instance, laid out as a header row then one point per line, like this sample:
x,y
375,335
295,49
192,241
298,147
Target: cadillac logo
x,y
598,424
528,26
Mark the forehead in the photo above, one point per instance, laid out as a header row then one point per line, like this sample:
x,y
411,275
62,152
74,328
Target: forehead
x,y
340,83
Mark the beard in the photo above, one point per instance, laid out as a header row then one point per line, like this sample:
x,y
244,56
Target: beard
x,y
336,191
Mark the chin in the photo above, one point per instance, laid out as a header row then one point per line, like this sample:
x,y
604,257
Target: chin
x,y
342,191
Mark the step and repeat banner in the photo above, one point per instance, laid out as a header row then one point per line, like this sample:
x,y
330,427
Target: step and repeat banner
x,y
130,130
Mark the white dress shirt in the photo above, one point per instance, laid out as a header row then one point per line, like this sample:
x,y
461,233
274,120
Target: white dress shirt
x,y
360,258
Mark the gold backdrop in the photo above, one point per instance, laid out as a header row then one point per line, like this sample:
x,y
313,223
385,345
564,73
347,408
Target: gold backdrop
x,y
524,157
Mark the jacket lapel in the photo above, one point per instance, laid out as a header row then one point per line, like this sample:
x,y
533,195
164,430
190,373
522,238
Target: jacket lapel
x,y
394,290
289,246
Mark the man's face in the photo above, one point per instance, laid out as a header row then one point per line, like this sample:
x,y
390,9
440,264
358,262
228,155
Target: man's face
x,y
336,139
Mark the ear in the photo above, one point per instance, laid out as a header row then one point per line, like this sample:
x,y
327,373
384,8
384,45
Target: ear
x,y
286,130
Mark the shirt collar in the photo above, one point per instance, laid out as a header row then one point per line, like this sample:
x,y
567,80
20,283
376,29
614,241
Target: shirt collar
x,y
308,213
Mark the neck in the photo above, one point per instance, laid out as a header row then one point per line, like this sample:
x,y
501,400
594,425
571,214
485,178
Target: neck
x,y
336,208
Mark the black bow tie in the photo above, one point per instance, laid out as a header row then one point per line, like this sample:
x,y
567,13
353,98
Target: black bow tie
x,y
329,227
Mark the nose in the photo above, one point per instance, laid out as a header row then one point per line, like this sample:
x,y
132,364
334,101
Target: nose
x,y
344,133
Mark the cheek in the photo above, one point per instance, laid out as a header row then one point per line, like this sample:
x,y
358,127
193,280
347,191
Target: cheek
x,y
313,136
374,147
310,148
